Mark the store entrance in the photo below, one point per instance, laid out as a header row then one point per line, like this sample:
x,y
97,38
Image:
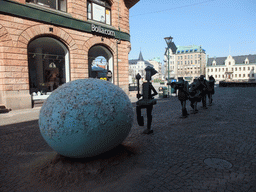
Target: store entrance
x,y
100,61
48,61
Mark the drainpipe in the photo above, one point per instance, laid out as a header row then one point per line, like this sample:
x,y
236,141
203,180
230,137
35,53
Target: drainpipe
x,y
117,42
117,70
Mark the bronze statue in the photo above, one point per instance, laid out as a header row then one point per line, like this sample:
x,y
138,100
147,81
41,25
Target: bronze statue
x,y
183,93
194,95
210,88
147,100
203,89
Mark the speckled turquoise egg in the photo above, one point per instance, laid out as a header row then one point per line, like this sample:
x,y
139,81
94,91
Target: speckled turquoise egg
x,y
85,118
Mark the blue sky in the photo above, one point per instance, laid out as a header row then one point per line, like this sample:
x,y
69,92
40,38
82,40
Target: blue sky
x,y
219,26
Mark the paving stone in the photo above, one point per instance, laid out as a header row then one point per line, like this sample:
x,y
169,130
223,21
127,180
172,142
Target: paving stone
x,y
171,159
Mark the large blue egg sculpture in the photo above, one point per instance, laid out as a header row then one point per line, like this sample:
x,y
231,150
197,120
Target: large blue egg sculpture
x,y
85,118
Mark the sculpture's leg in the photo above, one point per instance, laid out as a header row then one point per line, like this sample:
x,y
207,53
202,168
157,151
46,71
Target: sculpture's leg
x,y
204,101
140,118
184,110
210,99
194,107
149,119
192,102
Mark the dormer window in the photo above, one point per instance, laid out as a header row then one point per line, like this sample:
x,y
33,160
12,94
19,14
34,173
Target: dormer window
x,y
246,61
99,10
214,63
60,5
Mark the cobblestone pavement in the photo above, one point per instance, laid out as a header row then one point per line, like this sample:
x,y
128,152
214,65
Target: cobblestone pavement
x,y
170,159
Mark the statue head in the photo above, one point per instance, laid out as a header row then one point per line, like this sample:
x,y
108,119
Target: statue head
x,y
201,78
150,71
180,79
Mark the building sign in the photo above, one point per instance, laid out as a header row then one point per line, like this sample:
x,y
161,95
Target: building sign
x,y
99,29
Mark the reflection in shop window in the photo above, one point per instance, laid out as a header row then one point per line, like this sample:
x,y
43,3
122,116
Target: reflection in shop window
x,y
60,5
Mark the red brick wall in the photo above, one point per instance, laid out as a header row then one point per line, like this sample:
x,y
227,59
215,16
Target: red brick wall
x,y
16,33
77,8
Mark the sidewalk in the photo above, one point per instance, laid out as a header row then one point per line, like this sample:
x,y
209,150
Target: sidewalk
x,y
213,150
23,115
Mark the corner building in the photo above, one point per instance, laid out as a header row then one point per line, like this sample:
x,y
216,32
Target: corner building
x,y
46,43
185,61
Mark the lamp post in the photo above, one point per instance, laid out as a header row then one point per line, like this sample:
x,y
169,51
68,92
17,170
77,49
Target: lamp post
x,y
168,40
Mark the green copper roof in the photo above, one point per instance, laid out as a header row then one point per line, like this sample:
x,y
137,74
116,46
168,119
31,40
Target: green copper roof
x,y
189,49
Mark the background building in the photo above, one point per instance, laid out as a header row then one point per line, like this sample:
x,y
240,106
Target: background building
x,y
237,68
185,61
44,44
158,67
137,66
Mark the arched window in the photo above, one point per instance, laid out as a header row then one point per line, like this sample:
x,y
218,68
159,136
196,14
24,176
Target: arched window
x,y
99,10
48,62
60,5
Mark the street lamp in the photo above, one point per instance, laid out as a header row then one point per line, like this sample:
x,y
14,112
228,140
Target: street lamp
x,y
168,40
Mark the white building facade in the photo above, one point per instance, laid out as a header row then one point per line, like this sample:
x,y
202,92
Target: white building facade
x,y
137,66
157,66
237,68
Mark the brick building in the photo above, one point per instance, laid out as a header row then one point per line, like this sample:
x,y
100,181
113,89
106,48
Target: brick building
x,y
45,43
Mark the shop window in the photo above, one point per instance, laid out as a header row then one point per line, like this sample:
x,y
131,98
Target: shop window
x,y
99,10
60,5
48,62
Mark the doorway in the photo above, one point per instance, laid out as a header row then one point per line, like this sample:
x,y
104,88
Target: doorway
x,y
100,61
